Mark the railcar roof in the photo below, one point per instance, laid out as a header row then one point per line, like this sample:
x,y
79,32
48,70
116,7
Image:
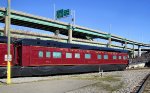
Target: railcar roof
x,y
51,43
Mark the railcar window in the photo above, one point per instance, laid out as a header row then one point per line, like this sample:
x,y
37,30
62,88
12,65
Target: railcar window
x,y
114,57
48,54
57,54
40,53
77,55
87,56
105,56
68,55
99,56
120,57
124,57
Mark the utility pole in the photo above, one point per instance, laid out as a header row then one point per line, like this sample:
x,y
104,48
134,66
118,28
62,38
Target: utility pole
x,y
8,43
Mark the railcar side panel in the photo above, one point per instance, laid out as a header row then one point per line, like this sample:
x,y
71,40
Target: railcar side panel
x,y
42,56
3,52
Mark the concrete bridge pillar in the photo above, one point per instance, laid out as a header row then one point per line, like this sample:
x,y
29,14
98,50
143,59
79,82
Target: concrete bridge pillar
x,y
139,51
124,45
109,40
56,33
70,34
133,54
1,34
130,55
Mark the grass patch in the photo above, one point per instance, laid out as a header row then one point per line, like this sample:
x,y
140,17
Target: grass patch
x,y
109,87
1,84
111,78
106,86
108,83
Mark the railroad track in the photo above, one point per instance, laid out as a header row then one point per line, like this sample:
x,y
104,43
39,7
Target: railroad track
x,y
144,86
147,85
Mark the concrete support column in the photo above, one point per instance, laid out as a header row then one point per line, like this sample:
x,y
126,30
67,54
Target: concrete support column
x,y
122,44
125,45
56,33
1,34
139,51
109,42
70,34
130,54
133,54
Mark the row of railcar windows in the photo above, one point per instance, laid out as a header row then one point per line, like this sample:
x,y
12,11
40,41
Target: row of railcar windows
x,y
77,55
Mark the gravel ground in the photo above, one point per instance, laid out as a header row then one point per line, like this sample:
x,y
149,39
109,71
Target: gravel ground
x,y
110,82
130,79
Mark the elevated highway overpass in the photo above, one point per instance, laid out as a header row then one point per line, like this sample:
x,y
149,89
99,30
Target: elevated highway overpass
x,y
144,49
71,31
28,34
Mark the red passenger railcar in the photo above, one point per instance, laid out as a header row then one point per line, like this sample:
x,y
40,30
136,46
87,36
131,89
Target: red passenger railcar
x,y
41,56
46,57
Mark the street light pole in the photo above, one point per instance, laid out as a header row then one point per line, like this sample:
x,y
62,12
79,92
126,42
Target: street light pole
x,y
8,42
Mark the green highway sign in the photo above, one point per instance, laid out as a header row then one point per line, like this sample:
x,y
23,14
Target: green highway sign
x,y
62,13
66,12
59,13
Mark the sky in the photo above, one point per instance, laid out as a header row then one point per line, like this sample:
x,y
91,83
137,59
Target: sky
x,y
128,18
